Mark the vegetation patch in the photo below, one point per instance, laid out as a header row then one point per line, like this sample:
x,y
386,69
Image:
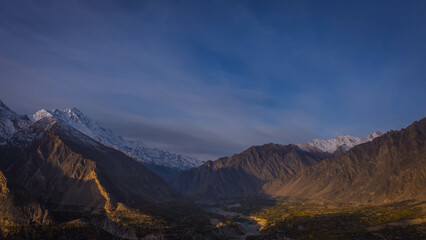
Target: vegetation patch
x,y
314,221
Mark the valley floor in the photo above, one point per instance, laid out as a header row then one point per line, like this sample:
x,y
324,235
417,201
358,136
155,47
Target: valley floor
x,y
284,219
249,218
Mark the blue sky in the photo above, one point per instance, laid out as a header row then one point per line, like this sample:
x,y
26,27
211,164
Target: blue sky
x,y
211,78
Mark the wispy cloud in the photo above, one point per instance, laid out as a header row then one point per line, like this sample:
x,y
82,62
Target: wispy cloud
x,y
212,78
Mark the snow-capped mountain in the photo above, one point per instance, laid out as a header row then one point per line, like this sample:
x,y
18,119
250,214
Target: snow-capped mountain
x,y
135,149
10,122
341,143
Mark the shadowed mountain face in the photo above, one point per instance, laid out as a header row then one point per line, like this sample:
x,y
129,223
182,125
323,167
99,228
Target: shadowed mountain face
x,y
60,168
245,173
390,168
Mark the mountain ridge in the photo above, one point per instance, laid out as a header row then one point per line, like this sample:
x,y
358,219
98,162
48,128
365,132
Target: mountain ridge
x,y
339,144
135,149
61,168
244,173
260,169
390,168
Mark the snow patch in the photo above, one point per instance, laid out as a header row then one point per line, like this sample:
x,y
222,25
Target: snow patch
x,y
343,143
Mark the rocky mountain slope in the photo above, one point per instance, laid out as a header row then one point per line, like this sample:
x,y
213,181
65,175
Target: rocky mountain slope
x,y
56,182
245,173
390,168
48,166
15,207
161,162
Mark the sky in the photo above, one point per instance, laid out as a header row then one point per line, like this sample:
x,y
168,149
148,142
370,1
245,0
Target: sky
x,y
212,78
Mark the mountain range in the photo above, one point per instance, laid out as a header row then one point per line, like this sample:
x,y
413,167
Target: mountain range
x,y
389,168
57,166
246,173
272,169
48,167
164,163
380,168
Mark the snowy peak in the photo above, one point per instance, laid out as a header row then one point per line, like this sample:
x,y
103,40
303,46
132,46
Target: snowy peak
x,y
373,135
68,115
76,119
135,149
341,143
10,122
40,115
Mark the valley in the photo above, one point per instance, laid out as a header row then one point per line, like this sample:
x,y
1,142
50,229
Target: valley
x,y
250,218
285,218
58,182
